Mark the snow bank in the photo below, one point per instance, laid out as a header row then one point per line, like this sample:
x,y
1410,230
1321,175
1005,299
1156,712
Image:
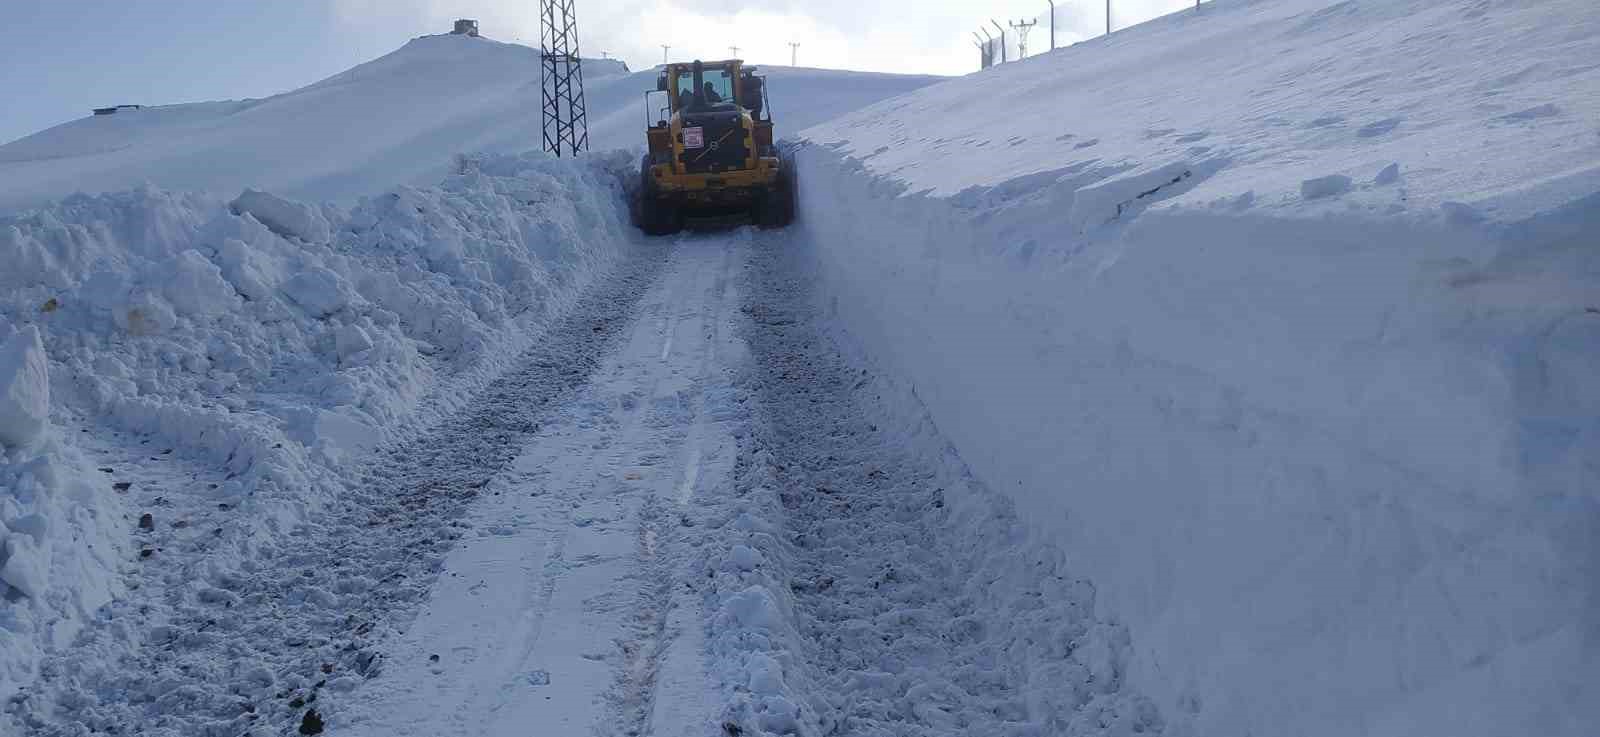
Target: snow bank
x,y
266,337
1320,429
59,537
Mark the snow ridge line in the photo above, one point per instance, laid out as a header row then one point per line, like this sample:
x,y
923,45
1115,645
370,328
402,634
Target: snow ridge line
x,y
251,651
884,591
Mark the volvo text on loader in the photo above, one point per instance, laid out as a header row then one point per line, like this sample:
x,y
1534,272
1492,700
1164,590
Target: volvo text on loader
x,y
711,154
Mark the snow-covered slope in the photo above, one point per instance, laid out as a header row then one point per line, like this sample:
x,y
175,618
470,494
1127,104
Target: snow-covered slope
x,y
398,119
1283,319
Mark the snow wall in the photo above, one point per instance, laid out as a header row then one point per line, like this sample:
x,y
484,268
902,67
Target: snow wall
x,y
273,339
1324,433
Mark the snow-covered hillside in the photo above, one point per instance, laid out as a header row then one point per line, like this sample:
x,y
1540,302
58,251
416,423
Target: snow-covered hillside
x,y
399,119
1282,318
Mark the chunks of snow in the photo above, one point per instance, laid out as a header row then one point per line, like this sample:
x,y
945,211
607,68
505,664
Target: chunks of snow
x,y
285,217
744,558
1388,175
1110,198
146,314
196,286
59,539
754,608
24,389
321,291
351,340
766,674
1328,186
27,565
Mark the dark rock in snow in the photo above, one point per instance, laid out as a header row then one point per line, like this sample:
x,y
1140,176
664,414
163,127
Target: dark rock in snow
x,y
147,522
312,723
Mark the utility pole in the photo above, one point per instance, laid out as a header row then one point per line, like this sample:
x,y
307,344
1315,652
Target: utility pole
x,y
561,110
1108,17
1003,38
664,49
794,51
1023,27
605,55
735,50
1053,22
988,47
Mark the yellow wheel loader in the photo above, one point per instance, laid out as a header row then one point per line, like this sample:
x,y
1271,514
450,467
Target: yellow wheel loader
x,y
711,154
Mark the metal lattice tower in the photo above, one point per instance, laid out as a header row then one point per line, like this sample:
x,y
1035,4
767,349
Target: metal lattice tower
x,y
566,125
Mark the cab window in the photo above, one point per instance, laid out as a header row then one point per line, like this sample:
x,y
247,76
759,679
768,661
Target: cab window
x,y
718,82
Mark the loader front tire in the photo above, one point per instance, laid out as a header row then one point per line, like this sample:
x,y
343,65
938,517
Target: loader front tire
x,y
654,215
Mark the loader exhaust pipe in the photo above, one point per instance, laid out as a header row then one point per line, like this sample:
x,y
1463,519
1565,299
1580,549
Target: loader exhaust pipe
x,y
699,84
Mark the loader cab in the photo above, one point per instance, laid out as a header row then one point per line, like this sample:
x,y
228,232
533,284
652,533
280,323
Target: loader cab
x,y
715,105
721,83
716,89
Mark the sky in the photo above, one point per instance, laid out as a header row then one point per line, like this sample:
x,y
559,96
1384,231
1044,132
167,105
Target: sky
x,y
60,58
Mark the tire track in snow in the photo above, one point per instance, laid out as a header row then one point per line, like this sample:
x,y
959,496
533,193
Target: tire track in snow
x,y
918,605
572,503
661,537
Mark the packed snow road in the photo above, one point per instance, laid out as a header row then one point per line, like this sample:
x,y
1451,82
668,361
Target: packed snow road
x,y
687,512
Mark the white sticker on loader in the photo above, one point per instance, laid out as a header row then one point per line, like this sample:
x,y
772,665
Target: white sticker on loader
x,y
694,137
